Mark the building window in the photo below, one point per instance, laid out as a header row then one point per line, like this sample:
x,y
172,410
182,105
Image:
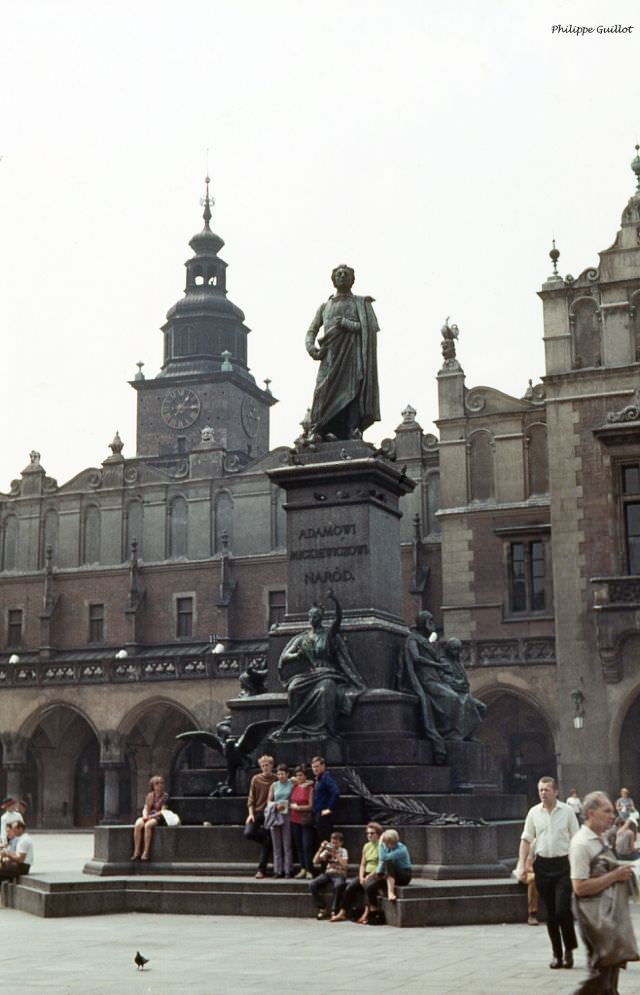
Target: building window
x,y
277,607
10,543
178,527
96,623
527,577
14,627
92,529
184,618
631,511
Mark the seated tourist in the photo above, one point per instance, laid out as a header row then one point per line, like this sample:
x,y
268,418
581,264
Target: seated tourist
x,y
394,869
13,810
19,859
333,857
150,818
626,842
353,895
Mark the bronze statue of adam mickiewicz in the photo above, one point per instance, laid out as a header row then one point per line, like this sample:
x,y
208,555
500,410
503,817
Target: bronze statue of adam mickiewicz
x,y
346,399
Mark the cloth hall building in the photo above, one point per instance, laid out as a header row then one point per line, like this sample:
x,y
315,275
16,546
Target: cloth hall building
x,y
133,596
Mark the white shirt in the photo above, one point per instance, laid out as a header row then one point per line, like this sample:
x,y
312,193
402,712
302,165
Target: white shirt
x,y
552,831
575,803
585,845
25,845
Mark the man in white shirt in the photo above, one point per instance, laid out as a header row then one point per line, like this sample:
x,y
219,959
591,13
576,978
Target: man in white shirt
x,y
589,880
18,861
550,826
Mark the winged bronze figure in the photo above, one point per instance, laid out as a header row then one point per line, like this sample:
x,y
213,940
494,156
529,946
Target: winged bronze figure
x,y
235,750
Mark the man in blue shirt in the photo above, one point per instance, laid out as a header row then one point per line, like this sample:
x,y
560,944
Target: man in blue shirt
x,y
325,798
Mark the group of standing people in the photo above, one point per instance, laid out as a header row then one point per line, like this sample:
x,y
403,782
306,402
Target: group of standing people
x,y
293,816
284,812
572,859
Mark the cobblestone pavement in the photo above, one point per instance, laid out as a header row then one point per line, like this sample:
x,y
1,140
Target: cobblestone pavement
x,y
204,955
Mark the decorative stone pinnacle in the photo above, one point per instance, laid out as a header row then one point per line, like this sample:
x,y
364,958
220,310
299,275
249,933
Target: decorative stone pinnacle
x,y
139,375
554,255
226,366
117,445
267,383
635,165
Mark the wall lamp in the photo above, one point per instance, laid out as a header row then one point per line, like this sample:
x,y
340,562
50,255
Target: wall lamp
x,y
217,646
14,658
121,655
577,698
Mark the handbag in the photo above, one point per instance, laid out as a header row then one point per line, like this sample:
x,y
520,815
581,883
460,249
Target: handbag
x,y
170,818
604,919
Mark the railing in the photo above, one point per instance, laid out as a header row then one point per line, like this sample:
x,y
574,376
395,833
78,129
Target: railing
x,y
133,669
616,592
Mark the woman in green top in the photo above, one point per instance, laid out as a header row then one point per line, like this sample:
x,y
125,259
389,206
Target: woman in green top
x,y
354,892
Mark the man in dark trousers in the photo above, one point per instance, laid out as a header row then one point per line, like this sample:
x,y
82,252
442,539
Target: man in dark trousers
x,y
256,804
325,798
548,829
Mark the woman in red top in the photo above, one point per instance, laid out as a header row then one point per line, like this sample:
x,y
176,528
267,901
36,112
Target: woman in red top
x,y
301,820
150,818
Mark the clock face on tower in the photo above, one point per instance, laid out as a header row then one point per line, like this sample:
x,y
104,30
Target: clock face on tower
x,y
180,407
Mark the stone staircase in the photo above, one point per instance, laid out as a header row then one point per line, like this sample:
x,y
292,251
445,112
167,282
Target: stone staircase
x,y
422,903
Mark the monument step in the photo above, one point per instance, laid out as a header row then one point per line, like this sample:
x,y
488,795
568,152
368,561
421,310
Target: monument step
x,y
232,811
422,903
442,851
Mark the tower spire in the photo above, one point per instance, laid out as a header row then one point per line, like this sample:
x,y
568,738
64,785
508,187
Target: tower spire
x,y
208,201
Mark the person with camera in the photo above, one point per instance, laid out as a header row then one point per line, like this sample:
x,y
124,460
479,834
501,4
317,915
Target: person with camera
x,y
333,857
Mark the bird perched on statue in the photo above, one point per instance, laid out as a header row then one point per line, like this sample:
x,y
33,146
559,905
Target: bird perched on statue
x,y
236,751
140,961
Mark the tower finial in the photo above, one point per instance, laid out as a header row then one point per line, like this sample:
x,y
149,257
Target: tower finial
x,y
635,165
554,256
208,201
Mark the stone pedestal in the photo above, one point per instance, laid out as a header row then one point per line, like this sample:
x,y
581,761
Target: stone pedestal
x,y
111,793
343,534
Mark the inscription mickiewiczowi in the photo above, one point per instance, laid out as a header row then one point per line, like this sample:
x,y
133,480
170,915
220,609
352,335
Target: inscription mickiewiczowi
x,y
339,574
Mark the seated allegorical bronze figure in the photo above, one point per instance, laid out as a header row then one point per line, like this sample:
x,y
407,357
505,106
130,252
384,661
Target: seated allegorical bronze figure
x,y
448,710
320,677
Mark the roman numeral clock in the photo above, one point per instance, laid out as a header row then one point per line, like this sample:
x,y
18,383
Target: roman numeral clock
x,y
180,408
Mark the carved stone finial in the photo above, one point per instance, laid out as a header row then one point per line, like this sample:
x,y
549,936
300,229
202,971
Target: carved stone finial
x,y
635,165
226,366
554,255
449,335
117,445
267,383
139,375
409,415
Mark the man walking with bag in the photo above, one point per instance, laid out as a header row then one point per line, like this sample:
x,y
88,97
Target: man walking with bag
x,y
601,899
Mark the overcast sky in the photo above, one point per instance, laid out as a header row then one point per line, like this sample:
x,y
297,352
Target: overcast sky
x,y
435,148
